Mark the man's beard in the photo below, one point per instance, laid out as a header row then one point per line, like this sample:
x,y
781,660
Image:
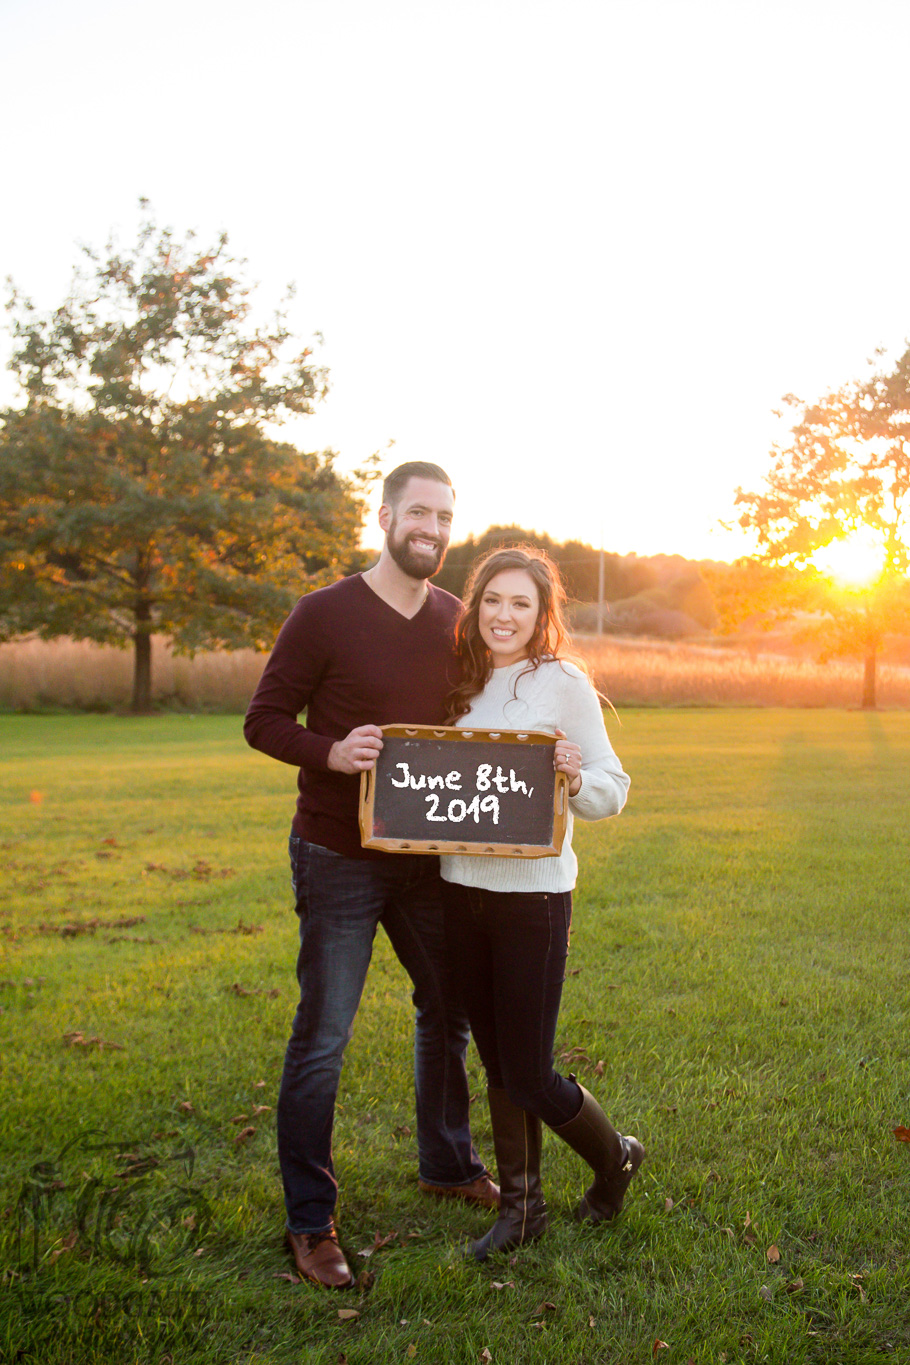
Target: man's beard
x,y
414,563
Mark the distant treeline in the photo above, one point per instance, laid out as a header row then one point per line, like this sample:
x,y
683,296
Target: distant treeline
x,y
661,595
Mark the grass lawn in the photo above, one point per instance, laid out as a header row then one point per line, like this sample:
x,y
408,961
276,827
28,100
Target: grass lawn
x,y
739,998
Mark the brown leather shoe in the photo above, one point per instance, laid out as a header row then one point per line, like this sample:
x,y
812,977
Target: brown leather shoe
x,y
319,1258
481,1191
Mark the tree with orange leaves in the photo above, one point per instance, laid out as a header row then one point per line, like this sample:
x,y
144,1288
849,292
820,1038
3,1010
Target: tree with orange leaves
x,y
844,471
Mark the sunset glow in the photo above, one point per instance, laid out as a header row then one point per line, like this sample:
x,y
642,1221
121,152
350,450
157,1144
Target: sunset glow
x,y
856,561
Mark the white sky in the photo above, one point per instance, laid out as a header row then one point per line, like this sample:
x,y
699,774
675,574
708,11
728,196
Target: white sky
x,y
574,252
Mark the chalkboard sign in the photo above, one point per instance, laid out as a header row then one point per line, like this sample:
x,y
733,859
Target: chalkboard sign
x,y
445,790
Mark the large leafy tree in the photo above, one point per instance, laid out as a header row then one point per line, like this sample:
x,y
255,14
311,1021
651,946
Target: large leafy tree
x,y
845,472
142,485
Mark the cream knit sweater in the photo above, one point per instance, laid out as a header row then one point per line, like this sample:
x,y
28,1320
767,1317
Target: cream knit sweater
x,y
556,696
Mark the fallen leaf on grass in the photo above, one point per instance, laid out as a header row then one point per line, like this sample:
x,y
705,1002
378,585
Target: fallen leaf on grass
x,y
486,1354
202,871
244,1136
240,928
668,1205
660,1346
592,1322
794,1286
574,1054
241,1118
503,1284
378,1242
199,1251
286,1275
88,926
765,1293
902,1134
78,1039
599,1069
858,1284
545,1307
365,1281
773,1254
348,1314
186,1107
66,1245
403,1131
259,1085
138,1166
748,1223
261,1109
411,1351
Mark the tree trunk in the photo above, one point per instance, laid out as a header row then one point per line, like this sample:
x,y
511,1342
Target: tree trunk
x,y
142,659
869,679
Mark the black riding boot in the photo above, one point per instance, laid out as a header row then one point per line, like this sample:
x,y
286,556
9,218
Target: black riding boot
x,y
522,1209
613,1158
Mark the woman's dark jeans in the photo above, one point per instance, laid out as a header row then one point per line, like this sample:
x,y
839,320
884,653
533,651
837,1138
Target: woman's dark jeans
x,y
508,955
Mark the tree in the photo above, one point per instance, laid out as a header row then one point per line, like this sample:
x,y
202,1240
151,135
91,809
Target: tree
x,y
845,471
142,487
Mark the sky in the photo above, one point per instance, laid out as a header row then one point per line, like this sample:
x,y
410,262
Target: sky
x,y
575,253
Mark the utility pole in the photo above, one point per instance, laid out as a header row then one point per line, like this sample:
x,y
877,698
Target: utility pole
x,y
600,589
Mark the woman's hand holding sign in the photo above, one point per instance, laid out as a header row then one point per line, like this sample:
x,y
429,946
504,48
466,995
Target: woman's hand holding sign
x,y
567,759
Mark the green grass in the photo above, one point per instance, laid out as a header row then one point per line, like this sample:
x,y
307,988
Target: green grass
x,y
739,999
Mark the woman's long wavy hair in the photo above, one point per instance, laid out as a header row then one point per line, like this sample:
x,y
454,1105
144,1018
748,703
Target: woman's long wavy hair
x,y
547,642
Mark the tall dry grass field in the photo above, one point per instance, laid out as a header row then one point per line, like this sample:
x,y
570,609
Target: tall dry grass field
x,y
660,673
39,674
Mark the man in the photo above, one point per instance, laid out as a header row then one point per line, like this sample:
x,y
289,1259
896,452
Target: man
x,y
370,650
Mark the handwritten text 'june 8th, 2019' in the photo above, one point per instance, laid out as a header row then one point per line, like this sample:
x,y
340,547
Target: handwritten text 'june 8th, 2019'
x,y
458,809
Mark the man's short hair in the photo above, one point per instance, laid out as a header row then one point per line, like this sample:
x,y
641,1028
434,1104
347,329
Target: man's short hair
x,y
394,483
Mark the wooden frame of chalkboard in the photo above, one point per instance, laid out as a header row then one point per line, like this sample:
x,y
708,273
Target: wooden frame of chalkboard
x,y
487,793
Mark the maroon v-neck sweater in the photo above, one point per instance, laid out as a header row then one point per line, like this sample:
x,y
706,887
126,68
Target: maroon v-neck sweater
x,y
347,658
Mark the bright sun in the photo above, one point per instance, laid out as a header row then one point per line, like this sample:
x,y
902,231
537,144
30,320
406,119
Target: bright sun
x,y
855,561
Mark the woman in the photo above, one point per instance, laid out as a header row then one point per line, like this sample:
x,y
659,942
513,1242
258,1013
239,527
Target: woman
x,y
507,919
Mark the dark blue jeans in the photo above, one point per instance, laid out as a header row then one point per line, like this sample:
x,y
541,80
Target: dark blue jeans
x,y
508,953
340,901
